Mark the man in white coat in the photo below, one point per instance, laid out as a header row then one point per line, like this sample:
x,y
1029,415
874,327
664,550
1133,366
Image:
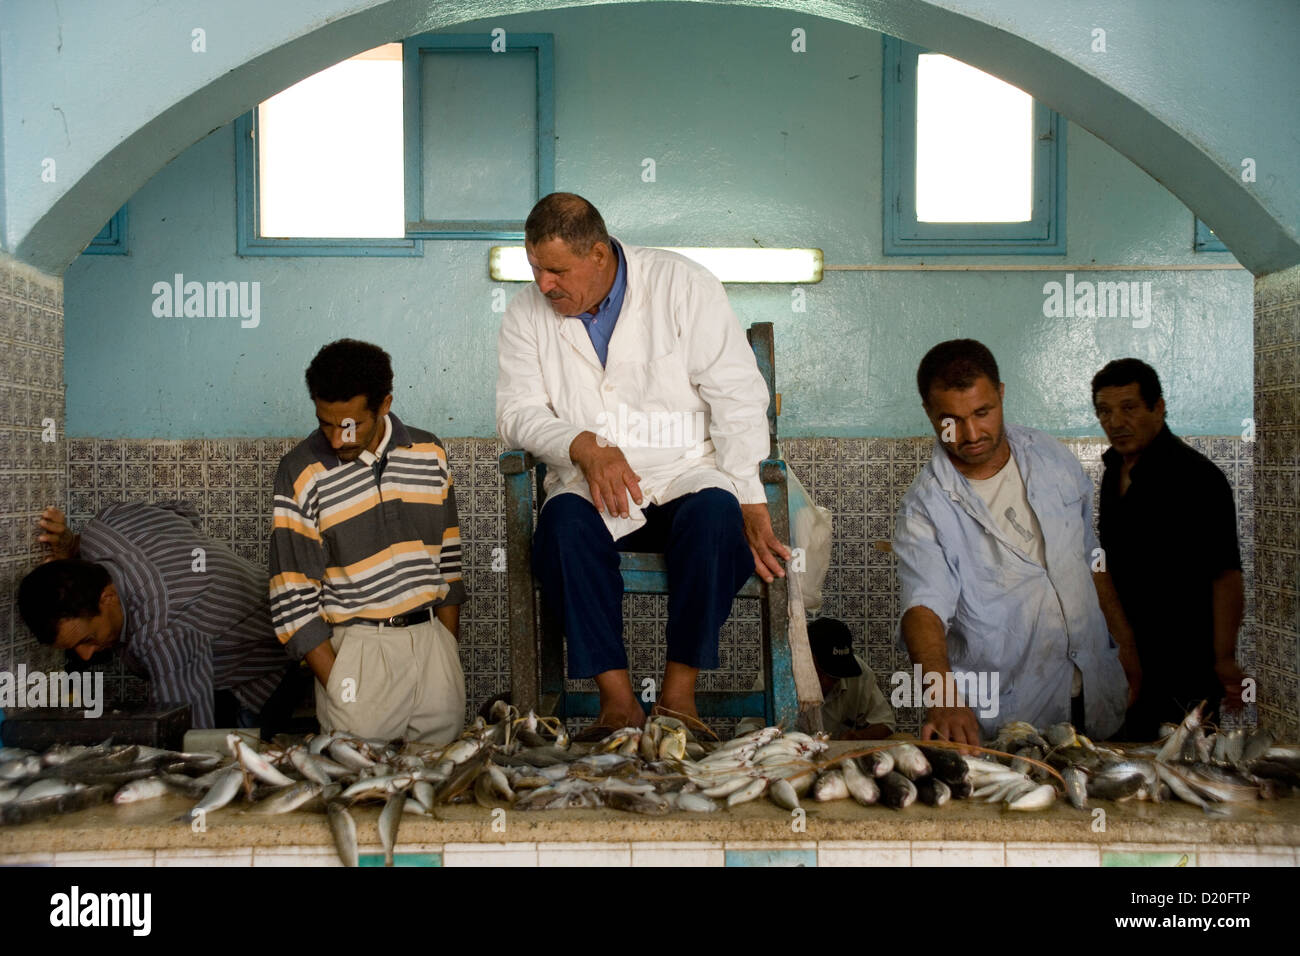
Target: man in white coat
x,y
625,370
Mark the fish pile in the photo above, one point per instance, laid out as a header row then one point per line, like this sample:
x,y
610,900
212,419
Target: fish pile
x,y
1188,762
526,763
71,777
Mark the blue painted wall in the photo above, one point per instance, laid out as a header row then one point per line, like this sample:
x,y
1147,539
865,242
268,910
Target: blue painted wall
x,y
754,144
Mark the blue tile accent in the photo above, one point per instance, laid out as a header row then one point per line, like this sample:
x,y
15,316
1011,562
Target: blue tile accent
x,y
401,859
771,857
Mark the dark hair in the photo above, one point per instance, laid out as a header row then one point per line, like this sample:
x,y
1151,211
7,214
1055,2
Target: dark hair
x,y
569,217
1126,371
347,368
57,591
956,364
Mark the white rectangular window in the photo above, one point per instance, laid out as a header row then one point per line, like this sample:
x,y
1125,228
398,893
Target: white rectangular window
x,y
329,152
974,145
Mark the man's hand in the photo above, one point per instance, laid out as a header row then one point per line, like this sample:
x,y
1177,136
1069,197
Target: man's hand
x,y
1128,659
763,544
609,477
62,542
1230,676
321,661
957,724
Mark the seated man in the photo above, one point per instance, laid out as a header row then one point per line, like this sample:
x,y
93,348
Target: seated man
x,y
185,611
1179,580
365,558
608,342
995,547
854,707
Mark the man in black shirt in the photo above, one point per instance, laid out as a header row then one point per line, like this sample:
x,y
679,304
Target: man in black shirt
x,y
1169,531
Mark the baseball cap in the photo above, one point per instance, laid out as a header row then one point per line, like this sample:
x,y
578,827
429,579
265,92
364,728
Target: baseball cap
x,y
832,647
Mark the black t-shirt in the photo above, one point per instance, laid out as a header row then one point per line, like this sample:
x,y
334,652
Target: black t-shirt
x,y
1166,540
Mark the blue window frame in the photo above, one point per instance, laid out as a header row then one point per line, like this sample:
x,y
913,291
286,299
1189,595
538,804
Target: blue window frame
x,y
904,234
1205,240
250,241
111,240
506,110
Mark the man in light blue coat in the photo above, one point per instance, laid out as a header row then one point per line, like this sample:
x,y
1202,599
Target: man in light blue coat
x,y
1004,585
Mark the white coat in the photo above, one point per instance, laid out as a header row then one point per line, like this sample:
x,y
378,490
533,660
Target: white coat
x,y
680,394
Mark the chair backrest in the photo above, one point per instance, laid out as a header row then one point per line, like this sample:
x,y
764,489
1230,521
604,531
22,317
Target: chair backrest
x,y
762,342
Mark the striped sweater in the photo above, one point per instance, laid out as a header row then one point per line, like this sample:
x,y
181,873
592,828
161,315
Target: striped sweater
x,y
196,614
351,540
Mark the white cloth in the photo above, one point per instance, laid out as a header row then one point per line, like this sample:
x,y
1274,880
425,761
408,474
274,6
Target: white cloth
x,y
680,392
1008,503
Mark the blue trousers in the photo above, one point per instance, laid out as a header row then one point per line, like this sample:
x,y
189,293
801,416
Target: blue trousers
x,y
702,538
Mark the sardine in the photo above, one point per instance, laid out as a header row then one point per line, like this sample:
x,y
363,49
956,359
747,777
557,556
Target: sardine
x,y
1173,747
729,785
1115,785
308,766
222,792
782,794
652,804
910,762
830,786
20,768
896,790
390,818
344,829
49,787
861,788
694,803
289,798
255,763
877,764
1076,787
348,756
932,791
946,765
1036,799
751,791
1060,735
147,788
1256,745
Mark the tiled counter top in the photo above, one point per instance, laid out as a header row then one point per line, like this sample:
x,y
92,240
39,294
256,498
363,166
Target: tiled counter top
x,y
842,832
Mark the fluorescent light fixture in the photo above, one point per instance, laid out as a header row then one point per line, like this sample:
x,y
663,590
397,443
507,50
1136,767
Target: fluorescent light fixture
x,y
510,264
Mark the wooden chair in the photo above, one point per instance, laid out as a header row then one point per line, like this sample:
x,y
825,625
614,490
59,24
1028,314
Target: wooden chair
x,y
536,640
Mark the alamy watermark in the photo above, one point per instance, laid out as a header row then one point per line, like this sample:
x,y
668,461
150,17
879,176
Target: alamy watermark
x,y
975,689
1098,300
214,300
80,690
629,428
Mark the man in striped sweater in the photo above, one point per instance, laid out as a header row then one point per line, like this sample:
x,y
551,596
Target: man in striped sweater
x,y
365,558
185,611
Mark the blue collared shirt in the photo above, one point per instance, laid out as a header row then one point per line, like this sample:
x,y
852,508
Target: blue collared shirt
x,y
1003,612
600,327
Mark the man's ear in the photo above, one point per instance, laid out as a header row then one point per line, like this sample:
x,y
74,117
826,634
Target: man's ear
x,y
1159,407
109,597
384,406
1002,391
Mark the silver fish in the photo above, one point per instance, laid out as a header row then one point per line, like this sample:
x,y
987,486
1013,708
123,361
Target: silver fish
x,y
348,756
1036,799
223,791
782,794
289,798
49,787
830,786
751,791
861,788
344,829
878,764
932,791
390,818
1257,744
20,768
308,766
147,788
910,762
255,763
1076,787
694,803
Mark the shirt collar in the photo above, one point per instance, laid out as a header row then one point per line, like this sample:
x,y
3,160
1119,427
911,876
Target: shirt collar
x,y
1156,452
950,479
616,291
370,457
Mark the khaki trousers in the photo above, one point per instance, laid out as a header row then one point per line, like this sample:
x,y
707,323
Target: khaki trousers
x,y
391,682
